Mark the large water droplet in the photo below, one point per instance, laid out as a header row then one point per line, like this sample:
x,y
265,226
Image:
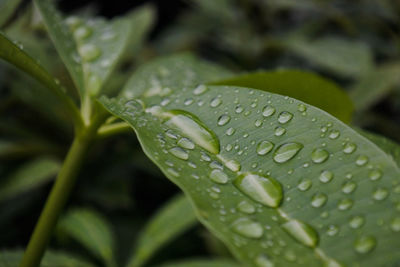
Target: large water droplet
x,y
268,111
395,224
223,120
186,143
380,194
248,228
264,147
179,153
319,155
332,230
230,131
345,204
246,207
89,52
239,109
73,22
279,131
349,187
233,165
334,134
326,176
219,176
215,102
304,185
82,32
375,175
191,127
364,244
285,117
201,89
361,160
318,200
264,261
263,189
356,222
349,148
286,152
301,232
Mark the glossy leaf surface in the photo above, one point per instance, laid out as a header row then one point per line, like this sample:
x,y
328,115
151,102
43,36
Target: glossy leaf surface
x,y
202,263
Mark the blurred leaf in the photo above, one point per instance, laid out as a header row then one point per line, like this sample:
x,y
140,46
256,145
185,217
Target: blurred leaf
x,y
29,176
175,217
343,57
249,159
182,70
305,86
90,229
7,8
12,258
374,86
202,263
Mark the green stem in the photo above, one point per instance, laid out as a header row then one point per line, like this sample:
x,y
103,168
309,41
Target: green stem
x,y
59,195
112,129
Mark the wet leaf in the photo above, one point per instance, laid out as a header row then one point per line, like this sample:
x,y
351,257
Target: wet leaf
x,y
202,263
175,217
90,229
305,86
277,180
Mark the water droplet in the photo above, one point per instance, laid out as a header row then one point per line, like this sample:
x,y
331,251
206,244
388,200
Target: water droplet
x,y
94,83
230,131
326,176
89,52
233,165
334,134
380,194
239,109
285,117
301,108
263,189
173,172
188,101
201,89
258,123
279,131
332,230
349,148
191,127
395,224
215,102
186,143
179,153
219,176
361,160
264,147
286,152
345,204
246,207
82,32
365,244
216,165
223,120
301,232
73,22
319,155
248,228
304,185
356,222
318,200
375,175
264,261
268,111
349,187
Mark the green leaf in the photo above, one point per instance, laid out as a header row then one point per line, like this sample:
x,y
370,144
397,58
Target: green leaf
x,y
277,180
29,176
305,86
375,86
7,8
347,58
12,258
202,263
90,229
173,219
91,48
162,75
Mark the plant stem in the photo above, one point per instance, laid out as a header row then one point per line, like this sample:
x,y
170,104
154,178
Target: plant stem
x,y
59,195
112,129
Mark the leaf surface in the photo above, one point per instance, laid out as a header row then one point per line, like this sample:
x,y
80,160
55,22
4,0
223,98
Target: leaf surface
x,y
305,86
91,230
202,263
175,217
7,8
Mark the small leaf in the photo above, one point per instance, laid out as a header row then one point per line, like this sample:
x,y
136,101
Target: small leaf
x,y
7,8
12,258
173,219
305,86
91,230
375,86
29,176
202,263
344,57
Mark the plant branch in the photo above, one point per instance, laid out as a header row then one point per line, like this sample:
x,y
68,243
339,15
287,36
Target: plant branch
x,y
112,129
